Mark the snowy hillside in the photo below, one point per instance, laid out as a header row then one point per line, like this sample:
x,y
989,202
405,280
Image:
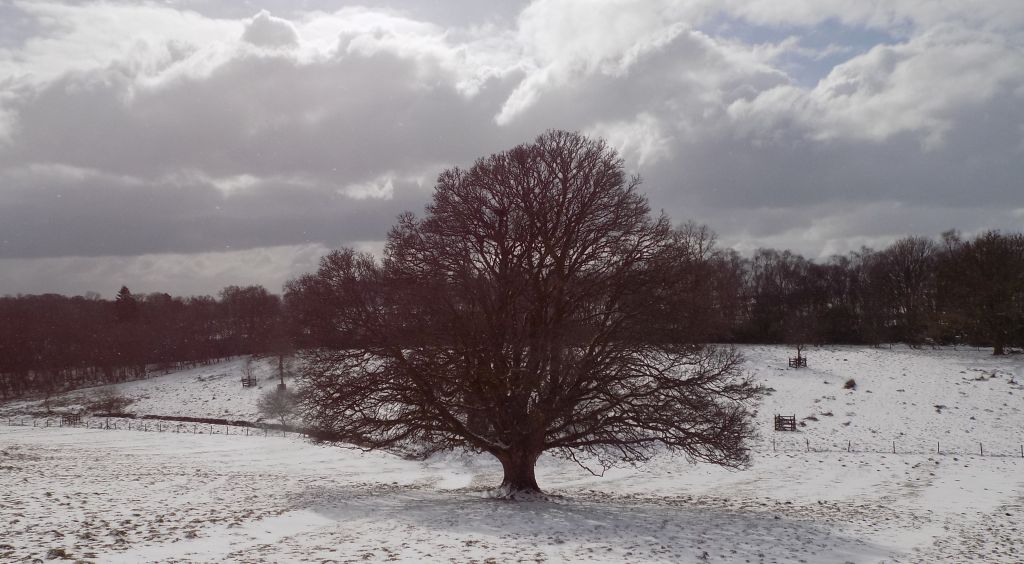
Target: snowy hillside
x,y
913,397
213,391
128,496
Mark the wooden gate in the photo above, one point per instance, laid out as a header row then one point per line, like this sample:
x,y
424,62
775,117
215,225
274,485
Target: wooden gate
x,y
785,422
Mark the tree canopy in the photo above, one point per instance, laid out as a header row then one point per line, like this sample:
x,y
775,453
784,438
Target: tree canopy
x,y
531,309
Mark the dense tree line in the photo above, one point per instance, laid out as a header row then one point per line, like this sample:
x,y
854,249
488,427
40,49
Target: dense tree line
x,y
944,291
916,291
50,342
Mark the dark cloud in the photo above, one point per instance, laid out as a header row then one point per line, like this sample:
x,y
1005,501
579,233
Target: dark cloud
x,y
256,114
104,215
263,151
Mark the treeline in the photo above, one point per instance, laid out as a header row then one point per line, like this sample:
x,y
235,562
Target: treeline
x,y
50,342
919,291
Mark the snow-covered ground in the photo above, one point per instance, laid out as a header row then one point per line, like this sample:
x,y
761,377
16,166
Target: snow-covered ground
x,y
213,391
127,496
916,398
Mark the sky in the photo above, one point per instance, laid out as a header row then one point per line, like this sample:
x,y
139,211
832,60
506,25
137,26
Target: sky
x,y
182,146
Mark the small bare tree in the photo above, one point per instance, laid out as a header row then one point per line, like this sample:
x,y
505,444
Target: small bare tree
x,y
529,311
278,403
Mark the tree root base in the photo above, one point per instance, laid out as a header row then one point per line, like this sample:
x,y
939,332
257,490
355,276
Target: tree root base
x,y
506,493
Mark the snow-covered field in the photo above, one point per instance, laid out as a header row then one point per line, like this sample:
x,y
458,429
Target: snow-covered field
x,y
213,391
127,496
913,397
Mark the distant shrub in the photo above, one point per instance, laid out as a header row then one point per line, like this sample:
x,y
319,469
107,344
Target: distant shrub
x,y
57,553
278,403
107,400
850,384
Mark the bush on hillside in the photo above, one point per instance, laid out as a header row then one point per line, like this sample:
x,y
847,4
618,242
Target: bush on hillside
x,y
278,403
107,400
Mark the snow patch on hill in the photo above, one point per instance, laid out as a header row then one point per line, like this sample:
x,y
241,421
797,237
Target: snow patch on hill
x,y
917,398
211,391
924,400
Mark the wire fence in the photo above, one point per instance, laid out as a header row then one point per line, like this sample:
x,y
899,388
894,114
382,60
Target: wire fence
x,y
783,444
897,446
151,426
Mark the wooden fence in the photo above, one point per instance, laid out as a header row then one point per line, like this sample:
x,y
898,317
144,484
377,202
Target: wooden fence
x,y
785,422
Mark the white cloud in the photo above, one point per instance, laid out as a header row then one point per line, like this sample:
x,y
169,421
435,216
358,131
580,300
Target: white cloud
x,y
564,41
382,187
232,184
882,14
264,30
820,231
192,274
920,87
81,38
641,141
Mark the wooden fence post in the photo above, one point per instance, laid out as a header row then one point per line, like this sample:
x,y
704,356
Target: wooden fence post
x,y
982,447
894,447
937,449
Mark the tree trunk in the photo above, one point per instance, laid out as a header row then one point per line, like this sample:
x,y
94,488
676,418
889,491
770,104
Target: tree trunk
x,y
519,476
998,348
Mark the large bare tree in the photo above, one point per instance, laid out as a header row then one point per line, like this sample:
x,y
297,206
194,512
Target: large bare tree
x,y
528,311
